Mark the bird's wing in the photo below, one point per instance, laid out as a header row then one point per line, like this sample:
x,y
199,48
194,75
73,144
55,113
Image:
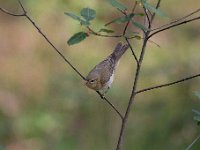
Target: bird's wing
x,y
106,68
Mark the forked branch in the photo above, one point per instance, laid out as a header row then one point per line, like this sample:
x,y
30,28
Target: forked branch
x,y
173,25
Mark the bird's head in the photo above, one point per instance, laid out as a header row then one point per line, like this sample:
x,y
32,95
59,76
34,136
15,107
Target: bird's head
x,y
93,81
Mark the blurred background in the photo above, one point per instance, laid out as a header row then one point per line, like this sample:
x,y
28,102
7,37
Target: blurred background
x,y
44,104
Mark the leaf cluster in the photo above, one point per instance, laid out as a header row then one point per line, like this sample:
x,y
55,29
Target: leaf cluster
x,y
87,15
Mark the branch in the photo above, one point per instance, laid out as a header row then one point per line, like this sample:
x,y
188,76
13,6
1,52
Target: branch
x,y
24,14
153,15
147,17
9,13
177,20
167,84
136,59
173,25
102,35
195,140
64,58
124,33
126,26
135,82
114,108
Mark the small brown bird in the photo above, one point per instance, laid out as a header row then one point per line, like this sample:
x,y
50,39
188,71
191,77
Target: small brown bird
x,y
102,75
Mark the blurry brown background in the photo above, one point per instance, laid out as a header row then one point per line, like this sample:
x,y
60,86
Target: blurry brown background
x,y
45,105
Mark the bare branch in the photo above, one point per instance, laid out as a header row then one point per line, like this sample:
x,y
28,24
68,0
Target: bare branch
x,y
167,84
136,59
173,25
126,26
24,14
134,88
64,58
195,140
177,20
22,6
12,14
153,15
147,16
114,108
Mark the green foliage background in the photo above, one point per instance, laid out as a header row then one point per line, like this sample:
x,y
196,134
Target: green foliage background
x,y
45,105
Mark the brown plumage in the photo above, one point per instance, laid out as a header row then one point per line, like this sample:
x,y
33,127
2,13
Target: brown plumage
x,y
101,76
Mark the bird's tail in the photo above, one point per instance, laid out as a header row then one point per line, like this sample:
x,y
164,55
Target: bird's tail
x,y
119,50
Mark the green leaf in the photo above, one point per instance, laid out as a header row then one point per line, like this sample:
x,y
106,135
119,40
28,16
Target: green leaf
x,y
153,9
196,112
88,14
121,19
197,94
106,30
138,25
76,38
197,118
75,17
117,5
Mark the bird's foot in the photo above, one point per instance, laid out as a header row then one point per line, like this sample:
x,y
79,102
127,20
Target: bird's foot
x,y
101,95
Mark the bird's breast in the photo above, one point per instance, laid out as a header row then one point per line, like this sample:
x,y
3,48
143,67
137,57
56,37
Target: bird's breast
x,y
110,81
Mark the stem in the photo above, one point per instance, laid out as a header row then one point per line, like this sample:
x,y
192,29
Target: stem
x,y
136,59
102,35
24,14
195,140
136,78
168,84
114,108
64,58
174,25
133,94
177,20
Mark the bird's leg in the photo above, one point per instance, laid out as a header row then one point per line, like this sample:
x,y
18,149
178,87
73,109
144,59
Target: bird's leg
x,y
102,95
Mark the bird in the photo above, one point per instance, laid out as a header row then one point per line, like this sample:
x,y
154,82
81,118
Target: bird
x,y
101,76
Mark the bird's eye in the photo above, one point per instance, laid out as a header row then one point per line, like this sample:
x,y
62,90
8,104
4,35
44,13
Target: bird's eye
x,y
92,81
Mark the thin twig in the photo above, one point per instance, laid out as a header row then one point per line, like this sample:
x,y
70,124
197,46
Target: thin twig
x,y
136,59
12,14
147,16
24,14
102,35
124,33
64,58
114,108
173,25
22,6
195,140
167,84
177,20
150,41
126,26
154,14
123,12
